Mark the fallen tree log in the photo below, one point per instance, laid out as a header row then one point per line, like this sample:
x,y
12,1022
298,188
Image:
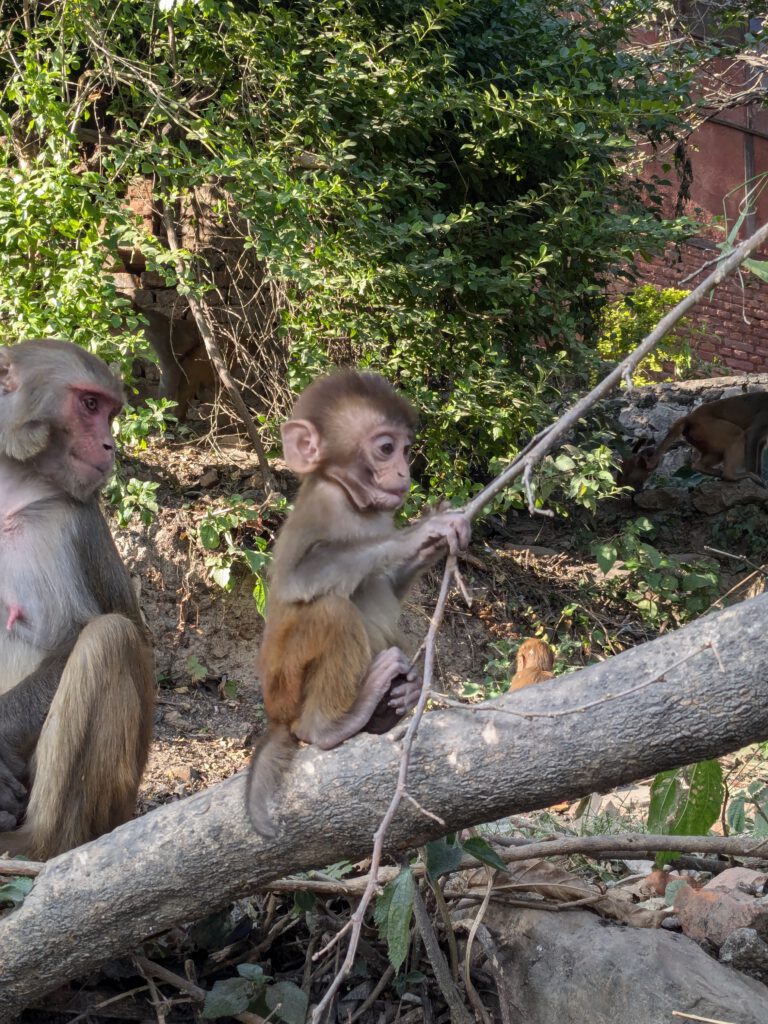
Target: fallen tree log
x,y
691,695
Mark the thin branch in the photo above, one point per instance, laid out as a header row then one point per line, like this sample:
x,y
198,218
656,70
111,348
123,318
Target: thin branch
x,y
442,972
24,868
544,442
358,917
472,992
532,454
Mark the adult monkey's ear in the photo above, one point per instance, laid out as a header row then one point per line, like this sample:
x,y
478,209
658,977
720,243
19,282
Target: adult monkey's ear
x,y
9,380
302,449
21,438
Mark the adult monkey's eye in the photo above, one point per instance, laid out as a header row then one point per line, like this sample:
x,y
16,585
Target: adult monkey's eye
x,y
90,402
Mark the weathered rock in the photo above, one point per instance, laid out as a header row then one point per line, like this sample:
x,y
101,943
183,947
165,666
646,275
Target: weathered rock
x,y
723,905
746,951
711,498
573,968
659,499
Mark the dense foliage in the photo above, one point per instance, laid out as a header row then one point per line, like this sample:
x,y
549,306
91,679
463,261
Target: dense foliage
x,y
439,189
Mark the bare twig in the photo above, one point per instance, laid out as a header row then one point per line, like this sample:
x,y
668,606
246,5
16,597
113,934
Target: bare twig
x,y
533,453
443,977
545,441
472,992
25,868
695,1016
119,998
358,917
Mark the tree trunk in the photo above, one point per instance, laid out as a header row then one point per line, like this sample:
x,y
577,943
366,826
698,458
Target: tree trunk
x,y
693,694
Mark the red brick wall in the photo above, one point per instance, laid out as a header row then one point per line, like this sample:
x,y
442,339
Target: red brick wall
x,y
731,326
729,146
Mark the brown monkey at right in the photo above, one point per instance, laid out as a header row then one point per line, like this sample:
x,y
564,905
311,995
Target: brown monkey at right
x,y
76,674
331,664
731,431
533,665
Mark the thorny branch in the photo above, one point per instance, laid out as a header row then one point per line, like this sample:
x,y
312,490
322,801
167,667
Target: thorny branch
x,y
531,455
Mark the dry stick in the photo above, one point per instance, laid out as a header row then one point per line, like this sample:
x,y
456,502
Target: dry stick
x,y
214,354
695,1016
443,977
631,845
152,970
474,995
531,454
356,922
25,868
541,444
119,998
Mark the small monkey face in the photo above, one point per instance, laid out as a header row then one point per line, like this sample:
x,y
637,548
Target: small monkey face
x,y
386,453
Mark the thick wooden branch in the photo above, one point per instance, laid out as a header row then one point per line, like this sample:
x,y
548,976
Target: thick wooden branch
x,y
690,695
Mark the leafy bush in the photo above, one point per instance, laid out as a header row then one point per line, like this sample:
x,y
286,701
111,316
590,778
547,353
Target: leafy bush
x,y
229,534
132,497
664,590
438,192
625,323
132,428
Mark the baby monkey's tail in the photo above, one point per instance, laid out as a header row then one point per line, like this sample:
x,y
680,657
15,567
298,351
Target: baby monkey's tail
x,y
271,759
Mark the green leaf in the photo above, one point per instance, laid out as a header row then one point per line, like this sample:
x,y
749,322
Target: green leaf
x,y
606,555
196,668
736,814
253,972
304,901
222,576
288,1002
15,890
209,536
227,998
476,846
392,914
442,858
686,801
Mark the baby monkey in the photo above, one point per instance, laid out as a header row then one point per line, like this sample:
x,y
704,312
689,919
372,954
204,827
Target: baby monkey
x,y
534,664
331,663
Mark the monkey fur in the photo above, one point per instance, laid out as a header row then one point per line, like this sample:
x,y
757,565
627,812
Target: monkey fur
x,y
731,431
76,669
533,665
331,664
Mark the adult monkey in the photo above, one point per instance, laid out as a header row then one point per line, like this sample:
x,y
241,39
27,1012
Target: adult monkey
x,y
731,431
331,664
76,672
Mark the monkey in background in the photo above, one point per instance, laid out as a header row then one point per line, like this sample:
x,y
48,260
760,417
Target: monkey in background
x,y
731,431
331,662
76,670
533,664
185,369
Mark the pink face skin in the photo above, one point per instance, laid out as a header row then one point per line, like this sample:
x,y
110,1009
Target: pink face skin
x,y
387,453
86,454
